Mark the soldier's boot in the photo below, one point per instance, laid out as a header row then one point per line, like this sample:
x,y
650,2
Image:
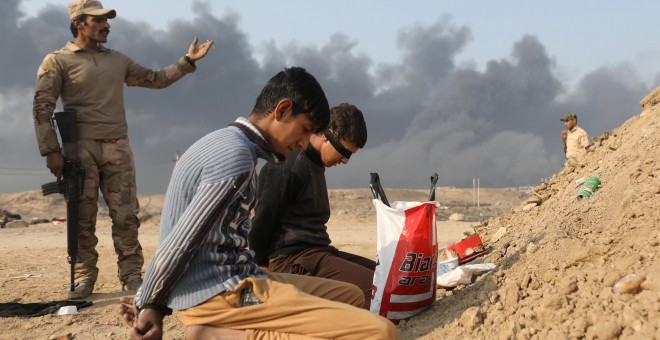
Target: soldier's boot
x,y
132,286
82,290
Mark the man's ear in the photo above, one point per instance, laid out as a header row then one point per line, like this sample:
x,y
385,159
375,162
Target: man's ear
x,y
283,106
323,137
78,24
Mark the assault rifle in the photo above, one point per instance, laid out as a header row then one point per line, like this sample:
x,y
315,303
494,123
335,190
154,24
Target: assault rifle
x,y
71,185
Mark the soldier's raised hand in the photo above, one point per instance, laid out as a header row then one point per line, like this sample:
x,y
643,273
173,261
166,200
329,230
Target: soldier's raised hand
x,y
196,52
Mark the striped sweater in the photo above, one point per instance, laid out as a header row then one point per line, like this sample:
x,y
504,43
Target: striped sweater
x,y
205,220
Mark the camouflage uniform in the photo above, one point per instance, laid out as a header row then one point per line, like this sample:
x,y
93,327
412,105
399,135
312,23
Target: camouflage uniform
x,y
90,82
109,166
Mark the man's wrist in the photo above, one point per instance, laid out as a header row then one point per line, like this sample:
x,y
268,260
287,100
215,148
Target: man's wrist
x,y
52,152
190,61
164,310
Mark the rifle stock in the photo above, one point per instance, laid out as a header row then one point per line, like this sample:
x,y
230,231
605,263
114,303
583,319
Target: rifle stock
x,y
71,185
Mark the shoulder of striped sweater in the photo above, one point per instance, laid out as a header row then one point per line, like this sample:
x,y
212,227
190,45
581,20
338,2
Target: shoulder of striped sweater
x,y
224,135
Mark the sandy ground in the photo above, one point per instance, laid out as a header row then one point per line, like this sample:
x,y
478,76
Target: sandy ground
x,y
34,267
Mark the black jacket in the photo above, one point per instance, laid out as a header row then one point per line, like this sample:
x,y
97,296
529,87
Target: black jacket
x,y
292,207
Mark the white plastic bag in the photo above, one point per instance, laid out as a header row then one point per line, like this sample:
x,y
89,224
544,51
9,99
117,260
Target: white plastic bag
x,y
405,276
462,274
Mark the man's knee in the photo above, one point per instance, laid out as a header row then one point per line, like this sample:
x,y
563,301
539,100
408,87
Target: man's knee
x,y
213,333
356,296
385,329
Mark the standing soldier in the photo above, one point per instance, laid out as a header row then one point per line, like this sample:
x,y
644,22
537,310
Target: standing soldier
x,y
574,138
89,79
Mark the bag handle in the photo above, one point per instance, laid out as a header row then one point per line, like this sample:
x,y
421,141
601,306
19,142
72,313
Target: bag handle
x,y
434,180
377,189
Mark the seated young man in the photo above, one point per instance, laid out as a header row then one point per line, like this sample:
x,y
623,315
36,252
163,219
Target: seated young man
x,y
289,233
202,267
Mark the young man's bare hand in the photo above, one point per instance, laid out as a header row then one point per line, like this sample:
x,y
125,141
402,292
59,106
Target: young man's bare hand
x,y
127,310
148,325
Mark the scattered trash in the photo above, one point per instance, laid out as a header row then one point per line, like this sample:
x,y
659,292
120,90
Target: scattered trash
x,y
629,284
590,186
37,220
580,181
462,274
34,309
58,220
466,250
67,310
447,265
6,217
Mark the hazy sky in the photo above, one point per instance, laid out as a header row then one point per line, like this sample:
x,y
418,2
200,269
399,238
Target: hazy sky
x,y
462,88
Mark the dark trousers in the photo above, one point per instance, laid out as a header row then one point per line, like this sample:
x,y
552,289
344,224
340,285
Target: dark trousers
x,y
329,263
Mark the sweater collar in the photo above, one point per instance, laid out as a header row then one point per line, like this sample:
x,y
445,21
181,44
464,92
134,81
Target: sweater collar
x,y
256,137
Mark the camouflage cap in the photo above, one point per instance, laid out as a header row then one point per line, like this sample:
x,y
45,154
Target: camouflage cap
x,y
568,116
89,7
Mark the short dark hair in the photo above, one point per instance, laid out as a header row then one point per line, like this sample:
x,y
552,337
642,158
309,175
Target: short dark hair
x,y
347,123
304,91
73,28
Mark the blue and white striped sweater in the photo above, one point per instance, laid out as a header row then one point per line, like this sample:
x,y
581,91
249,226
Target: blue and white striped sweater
x,y
205,220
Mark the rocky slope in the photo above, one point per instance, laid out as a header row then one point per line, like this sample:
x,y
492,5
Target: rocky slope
x,y
559,258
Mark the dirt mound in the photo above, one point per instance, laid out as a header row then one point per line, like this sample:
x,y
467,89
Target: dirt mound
x,y
32,205
559,261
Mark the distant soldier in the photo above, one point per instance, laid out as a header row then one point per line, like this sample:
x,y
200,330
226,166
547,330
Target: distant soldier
x,y
574,138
